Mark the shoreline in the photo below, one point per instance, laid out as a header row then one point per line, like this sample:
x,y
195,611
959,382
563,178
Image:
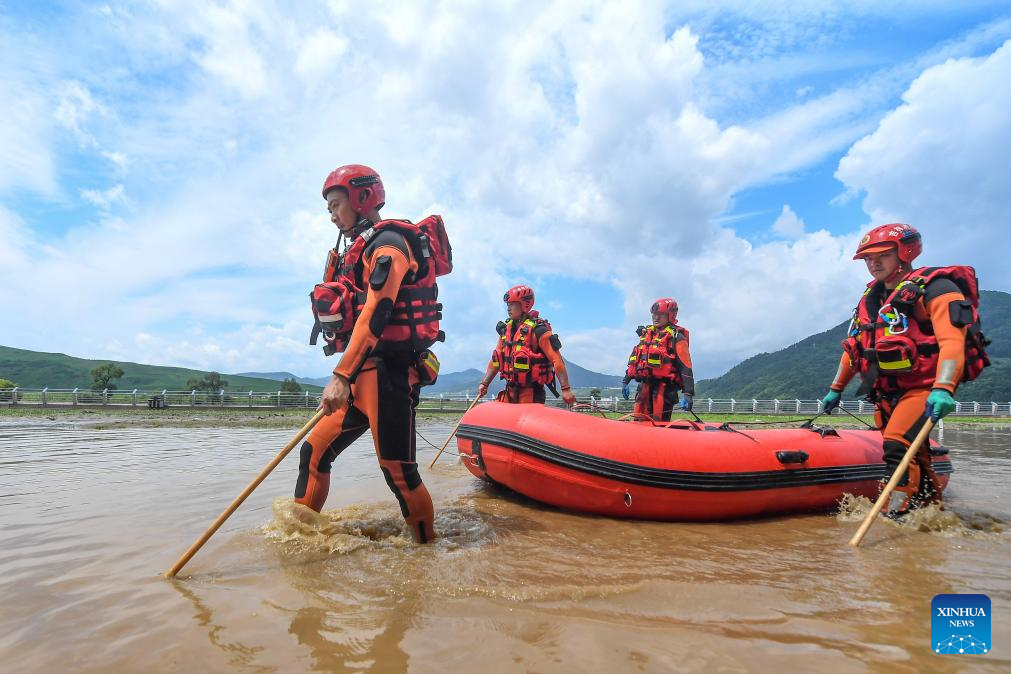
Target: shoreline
x,y
273,418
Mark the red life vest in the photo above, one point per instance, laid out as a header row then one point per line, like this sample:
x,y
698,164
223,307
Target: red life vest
x,y
520,360
655,356
414,323
893,343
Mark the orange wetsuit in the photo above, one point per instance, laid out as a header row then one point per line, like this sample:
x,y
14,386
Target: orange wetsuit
x,y
900,414
384,394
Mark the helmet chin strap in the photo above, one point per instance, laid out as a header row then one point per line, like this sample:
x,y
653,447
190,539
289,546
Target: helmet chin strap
x,y
897,275
362,224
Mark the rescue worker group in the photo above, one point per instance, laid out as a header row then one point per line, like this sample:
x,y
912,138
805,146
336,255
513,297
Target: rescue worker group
x,y
915,335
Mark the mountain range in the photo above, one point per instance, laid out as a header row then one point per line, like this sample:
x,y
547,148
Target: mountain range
x,y
801,370
805,369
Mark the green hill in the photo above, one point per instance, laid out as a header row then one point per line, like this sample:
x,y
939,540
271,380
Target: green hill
x,y
33,369
467,380
805,369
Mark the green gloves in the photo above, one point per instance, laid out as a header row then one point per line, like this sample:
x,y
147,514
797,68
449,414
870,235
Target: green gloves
x,y
830,402
939,404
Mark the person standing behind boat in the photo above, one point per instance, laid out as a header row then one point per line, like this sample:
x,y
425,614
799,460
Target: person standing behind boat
x,y
915,335
662,364
527,354
379,305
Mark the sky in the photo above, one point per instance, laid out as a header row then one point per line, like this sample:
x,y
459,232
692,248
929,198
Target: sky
x,y
161,165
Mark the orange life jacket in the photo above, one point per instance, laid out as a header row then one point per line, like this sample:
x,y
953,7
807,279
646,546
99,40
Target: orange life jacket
x,y
889,345
520,360
414,323
655,356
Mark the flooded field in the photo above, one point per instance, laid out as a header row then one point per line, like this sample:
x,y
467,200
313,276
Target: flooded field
x,y
90,518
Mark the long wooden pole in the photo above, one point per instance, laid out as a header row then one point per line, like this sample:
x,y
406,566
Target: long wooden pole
x,y
921,437
452,433
242,497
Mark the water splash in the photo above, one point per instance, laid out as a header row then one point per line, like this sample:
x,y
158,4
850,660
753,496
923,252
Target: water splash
x,y
936,518
338,531
343,530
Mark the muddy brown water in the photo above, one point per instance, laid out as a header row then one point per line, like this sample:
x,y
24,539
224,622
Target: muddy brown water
x,y
89,519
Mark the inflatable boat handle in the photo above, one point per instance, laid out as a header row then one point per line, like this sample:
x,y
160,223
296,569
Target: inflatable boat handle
x,y
788,456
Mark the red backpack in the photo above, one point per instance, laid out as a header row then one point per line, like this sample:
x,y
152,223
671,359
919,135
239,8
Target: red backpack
x,y
414,323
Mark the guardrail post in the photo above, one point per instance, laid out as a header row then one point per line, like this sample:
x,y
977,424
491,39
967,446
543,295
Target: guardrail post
x,y
307,400
775,405
135,397
798,405
75,395
975,407
45,396
250,398
193,398
14,396
278,398
710,406
732,403
860,406
105,396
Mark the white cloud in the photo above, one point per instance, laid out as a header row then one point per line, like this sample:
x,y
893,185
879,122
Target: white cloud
x,y
25,126
320,54
788,224
569,139
939,162
105,199
76,108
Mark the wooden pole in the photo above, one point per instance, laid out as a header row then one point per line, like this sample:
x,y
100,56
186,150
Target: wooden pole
x,y
242,497
921,437
446,444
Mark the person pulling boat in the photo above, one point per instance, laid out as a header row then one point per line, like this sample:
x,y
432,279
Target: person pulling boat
x,y
915,336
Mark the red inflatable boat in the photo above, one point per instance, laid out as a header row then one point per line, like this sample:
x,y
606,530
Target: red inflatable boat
x,y
679,471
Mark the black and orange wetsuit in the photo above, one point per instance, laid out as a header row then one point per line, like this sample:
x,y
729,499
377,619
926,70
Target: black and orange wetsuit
x,y
384,392
527,357
937,353
662,364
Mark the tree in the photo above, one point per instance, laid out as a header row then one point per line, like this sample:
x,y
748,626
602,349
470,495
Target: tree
x,y
102,376
290,386
596,393
7,383
211,383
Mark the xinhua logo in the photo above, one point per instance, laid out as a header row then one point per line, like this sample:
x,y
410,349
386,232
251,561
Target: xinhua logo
x,y
960,624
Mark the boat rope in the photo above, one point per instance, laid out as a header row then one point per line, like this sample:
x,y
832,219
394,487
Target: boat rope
x,y
447,451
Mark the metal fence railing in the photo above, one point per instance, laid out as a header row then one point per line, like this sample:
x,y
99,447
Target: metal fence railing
x,y
53,397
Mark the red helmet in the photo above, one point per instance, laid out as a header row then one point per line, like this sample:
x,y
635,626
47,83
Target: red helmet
x,y
904,238
522,294
664,305
363,185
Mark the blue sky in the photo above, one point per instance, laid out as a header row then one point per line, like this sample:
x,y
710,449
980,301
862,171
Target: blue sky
x,y
159,195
